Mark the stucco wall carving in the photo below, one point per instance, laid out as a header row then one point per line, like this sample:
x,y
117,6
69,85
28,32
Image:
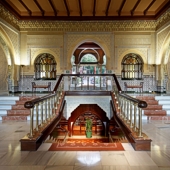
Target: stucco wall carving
x,y
3,71
163,19
132,39
132,43
71,38
48,40
35,50
91,26
161,36
7,16
6,50
144,51
106,38
15,40
121,51
53,43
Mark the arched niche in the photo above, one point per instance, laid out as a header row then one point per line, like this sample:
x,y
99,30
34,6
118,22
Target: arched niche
x,y
135,51
95,40
84,108
41,51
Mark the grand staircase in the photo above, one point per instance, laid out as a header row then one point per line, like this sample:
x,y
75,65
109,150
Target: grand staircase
x,y
158,107
12,107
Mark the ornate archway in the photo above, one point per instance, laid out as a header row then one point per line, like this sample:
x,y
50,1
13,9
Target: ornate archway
x,y
88,108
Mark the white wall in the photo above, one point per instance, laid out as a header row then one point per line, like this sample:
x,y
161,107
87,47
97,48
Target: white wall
x,y
74,101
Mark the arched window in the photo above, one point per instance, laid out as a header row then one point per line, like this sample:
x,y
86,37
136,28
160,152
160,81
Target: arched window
x,y
88,58
132,67
45,67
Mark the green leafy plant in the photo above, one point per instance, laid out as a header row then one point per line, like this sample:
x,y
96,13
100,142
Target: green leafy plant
x,y
89,124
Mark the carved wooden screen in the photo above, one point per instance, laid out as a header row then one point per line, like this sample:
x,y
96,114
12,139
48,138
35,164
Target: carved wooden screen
x,y
132,67
45,67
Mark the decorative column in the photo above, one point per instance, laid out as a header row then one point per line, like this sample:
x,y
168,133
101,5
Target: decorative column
x,y
22,79
168,82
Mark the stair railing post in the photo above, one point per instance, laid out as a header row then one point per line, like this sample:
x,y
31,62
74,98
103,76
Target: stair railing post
x,y
131,108
31,122
59,93
42,120
37,117
69,83
94,83
140,123
120,106
100,83
53,105
118,102
107,83
75,83
55,100
88,83
134,111
45,121
61,90
125,109
48,109
81,83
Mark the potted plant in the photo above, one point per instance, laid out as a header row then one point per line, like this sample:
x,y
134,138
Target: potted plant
x,y
89,125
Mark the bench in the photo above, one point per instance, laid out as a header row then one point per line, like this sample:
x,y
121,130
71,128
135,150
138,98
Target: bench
x,y
140,86
35,86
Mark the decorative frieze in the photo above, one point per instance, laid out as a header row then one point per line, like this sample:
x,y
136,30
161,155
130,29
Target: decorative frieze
x,y
90,26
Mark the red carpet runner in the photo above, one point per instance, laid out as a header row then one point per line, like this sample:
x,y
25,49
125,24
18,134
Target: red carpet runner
x,y
85,145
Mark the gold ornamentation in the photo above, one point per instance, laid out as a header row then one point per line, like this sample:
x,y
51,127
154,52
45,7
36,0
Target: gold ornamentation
x,y
90,26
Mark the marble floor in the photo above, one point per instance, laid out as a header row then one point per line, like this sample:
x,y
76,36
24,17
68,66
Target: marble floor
x,y
11,158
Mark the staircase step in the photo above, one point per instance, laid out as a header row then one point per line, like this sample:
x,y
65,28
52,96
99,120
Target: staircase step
x,y
166,107
145,98
12,107
152,102
155,112
14,118
27,98
5,107
18,112
165,102
20,102
18,107
153,107
162,97
3,112
7,102
9,98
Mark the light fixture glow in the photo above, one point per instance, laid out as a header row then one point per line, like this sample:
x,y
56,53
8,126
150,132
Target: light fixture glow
x,y
89,158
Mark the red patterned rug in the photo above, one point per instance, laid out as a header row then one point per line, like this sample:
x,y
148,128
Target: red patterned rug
x,y
88,140
85,145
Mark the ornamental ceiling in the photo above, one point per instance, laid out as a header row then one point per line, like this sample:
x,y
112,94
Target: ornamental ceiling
x,y
80,15
77,10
